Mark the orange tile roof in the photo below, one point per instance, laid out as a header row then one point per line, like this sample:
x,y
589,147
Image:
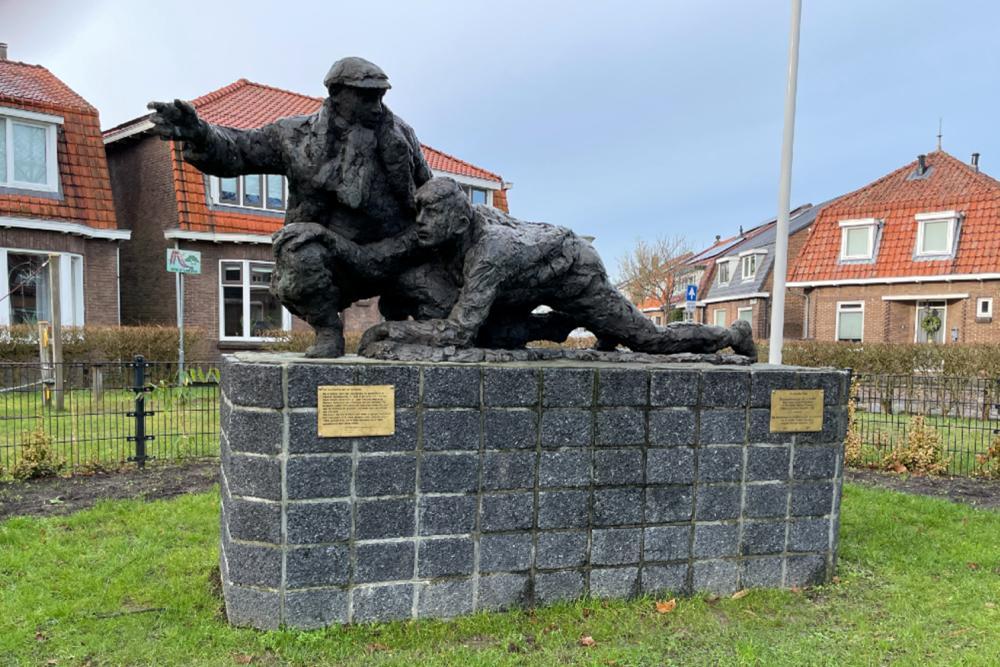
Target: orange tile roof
x,y
896,199
83,169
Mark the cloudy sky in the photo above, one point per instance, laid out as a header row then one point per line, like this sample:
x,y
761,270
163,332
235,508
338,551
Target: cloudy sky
x,y
621,120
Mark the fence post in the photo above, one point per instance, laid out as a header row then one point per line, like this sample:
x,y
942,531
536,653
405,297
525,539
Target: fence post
x,y
140,413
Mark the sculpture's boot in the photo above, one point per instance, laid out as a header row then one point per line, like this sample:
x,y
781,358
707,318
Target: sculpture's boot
x,y
741,339
329,343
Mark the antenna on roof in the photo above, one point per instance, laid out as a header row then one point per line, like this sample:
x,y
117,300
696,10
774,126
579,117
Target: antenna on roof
x,y
939,133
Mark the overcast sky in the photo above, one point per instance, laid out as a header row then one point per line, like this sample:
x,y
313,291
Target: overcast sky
x,y
620,120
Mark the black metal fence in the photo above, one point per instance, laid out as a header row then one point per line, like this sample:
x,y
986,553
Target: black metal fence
x,y
963,412
108,413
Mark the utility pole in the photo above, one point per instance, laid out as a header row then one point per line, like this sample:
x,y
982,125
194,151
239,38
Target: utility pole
x,y
56,317
179,277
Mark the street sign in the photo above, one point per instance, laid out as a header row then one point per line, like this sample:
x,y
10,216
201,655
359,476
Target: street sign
x,y
692,293
689,306
183,261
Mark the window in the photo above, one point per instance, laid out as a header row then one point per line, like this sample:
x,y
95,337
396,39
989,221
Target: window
x,y
984,308
935,234
719,317
748,264
477,195
657,319
251,191
857,239
24,277
931,322
722,271
850,320
28,150
248,310
745,314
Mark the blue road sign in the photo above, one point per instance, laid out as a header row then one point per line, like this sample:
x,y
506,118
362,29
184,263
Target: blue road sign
x,y
692,293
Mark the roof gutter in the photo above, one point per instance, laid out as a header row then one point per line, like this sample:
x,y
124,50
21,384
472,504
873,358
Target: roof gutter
x,y
945,278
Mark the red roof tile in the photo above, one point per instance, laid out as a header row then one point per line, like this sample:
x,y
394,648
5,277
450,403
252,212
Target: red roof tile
x,y
896,199
83,169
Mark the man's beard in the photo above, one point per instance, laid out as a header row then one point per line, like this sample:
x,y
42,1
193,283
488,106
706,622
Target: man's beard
x,y
357,157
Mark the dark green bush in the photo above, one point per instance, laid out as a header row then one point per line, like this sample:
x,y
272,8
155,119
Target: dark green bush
x,y
20,343
965,360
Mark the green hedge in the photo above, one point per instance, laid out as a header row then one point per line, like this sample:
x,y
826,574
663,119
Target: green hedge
x,y
20,343
979,360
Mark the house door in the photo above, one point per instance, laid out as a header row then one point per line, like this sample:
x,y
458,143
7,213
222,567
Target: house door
x,y
930,324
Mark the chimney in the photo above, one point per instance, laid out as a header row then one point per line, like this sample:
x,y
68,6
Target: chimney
x,y
718,238
975,161
921,164
3,51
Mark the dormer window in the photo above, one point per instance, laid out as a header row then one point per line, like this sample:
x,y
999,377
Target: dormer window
x,y
251,191
28,150
857,239
936,234
749,261
722,272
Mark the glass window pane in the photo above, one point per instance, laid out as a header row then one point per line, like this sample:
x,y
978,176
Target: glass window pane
x,y
275,191
232,311
936,236
28,282
478,196
29,153
745,314
857,241
251,191
851,324
260,275
720,318
228,191
3,151
232,272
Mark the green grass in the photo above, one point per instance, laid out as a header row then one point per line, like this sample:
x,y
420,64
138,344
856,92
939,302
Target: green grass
x,y
961,438
919,584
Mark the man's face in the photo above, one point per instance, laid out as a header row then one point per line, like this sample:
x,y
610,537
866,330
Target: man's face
x,y
360,106
433,224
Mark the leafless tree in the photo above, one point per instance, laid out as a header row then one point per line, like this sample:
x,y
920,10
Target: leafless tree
x,y
651,269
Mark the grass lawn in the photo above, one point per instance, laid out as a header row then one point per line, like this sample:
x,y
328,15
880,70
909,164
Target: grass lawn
x,y
130,583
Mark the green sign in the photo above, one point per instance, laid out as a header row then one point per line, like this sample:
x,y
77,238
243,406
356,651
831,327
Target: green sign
x,y
183,261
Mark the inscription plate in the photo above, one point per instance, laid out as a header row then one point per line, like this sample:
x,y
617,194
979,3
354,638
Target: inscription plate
x,y
348,411
796,410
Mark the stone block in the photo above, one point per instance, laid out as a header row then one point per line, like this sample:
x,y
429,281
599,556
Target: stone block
x,y
447,515
444,599
451,430
451,387
763,538
811,499
715,576
674,465
510,387
405,381
508,470
328,565
558,586
723,427
763,382
253,565
615,546
318,476
833,384
567,428
761,572
253,476
567,387
717,503
614,582
252,608
561,549
564,468
621,426
563,509
252,385
305,379
725,388
403,440
498,592
809,535
834,428
311,523
506,511
814,463
674,388
617,506
618,467
665,504
315,608
765,501
253,521
666,543
376,562
382,603
384,519
505,552
303,436
255,431
767,463
720,464
806,570
445,557
449,473
511,429
392,475
624,387
760,429
664,579
716,540
671,426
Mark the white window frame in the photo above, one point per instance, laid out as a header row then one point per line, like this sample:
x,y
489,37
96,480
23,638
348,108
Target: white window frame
x,y
71,288
922,219
743,267
871,224
718,272
47,122
851,307
989,307
215,189
286,316
740,311
715,317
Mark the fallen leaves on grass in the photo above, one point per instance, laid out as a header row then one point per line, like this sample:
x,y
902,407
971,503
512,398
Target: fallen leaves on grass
x,y
376,646
40,636
242,659
742,593
973,566
587,640
665,607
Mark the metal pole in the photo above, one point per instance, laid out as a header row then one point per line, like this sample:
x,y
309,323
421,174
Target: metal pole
x,y
139,412
777,333
55,289
180,324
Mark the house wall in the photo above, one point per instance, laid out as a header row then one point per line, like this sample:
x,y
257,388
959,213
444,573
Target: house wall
x,y
895,321
758,320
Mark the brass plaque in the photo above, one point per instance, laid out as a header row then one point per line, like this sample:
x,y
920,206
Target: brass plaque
x,y
346,411
796,410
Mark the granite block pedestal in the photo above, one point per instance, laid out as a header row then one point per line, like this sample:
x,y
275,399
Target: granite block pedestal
x,y
509,485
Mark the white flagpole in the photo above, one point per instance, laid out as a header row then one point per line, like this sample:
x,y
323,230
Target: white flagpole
x,y
784,194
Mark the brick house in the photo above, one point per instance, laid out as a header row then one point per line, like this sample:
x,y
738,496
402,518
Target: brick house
x,y
743,278
55,197
912,257
168,203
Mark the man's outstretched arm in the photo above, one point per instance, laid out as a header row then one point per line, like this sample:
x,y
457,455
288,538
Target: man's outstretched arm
x,y
377,261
